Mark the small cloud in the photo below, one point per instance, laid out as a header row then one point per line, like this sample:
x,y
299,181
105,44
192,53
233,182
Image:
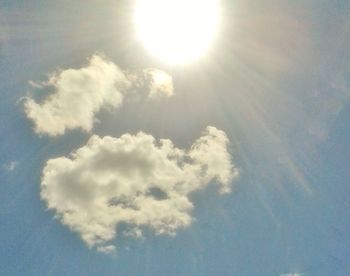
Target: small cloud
x,y
107,249
160,83
291,274
134,233
11,166
133,180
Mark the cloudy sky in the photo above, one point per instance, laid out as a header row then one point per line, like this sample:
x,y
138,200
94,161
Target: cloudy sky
x,y
209,140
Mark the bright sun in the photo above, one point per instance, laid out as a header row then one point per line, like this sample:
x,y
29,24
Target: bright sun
x,y
177,31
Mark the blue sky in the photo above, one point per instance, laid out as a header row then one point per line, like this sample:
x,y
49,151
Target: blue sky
x,y
276,82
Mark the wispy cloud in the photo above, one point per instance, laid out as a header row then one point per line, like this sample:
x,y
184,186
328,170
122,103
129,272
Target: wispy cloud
x,y
135,180
11,166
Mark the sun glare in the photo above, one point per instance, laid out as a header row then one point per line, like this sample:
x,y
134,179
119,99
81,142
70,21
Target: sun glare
x,y
177,31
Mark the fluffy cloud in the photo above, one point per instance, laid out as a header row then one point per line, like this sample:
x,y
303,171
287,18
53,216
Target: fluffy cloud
x,y
160,83
291,274
134,180
77,95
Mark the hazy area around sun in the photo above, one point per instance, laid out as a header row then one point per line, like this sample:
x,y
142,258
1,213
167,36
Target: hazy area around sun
x,y
177,31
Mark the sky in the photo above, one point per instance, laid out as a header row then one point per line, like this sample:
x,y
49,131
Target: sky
x,y
115,162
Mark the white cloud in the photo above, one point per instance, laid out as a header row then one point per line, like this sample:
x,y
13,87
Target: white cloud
x,y
107,249
77,95
135,180
134,233
291,274
11,166
160,83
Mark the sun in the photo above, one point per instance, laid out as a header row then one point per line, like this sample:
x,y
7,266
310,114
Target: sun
x,y
177,31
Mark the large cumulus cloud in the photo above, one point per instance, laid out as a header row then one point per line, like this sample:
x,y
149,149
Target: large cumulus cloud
x,y
135,180
75,96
